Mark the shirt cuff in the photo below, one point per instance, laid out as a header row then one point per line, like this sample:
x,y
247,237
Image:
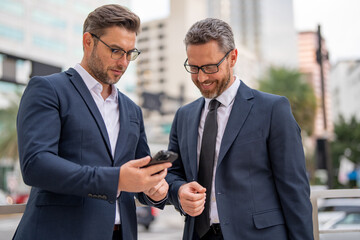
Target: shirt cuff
x,y
154,202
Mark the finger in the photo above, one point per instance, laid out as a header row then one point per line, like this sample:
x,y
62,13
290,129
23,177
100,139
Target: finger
x,y
140,162
193,197
150,192
197,211
194,204
194,211
197,187
159,176
158,167
158,188
154,179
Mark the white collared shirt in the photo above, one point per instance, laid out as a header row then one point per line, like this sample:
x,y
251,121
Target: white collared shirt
x,y
223,112
109,109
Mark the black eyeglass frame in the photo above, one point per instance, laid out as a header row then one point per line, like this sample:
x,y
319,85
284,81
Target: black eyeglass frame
x,y
207,65
115,50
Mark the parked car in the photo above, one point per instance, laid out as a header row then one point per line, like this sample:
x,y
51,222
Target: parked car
x,y
339,213
146,215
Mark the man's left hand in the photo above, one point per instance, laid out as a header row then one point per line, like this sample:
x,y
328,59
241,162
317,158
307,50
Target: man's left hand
x,y
158,192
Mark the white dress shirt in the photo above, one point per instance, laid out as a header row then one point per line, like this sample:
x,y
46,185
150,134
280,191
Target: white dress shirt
x,y
223,112
109,109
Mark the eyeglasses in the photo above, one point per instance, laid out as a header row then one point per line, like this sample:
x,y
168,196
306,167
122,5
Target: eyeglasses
x,y
208,69
117,53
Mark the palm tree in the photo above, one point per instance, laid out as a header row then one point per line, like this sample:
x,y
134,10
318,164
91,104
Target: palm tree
x,y
8,134
291,84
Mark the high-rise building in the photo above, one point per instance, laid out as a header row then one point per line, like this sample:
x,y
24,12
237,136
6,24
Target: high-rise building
x,y
41,36
308,44
264,27
345,89
49,31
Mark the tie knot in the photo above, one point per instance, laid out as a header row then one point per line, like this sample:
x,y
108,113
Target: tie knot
x,y
214,104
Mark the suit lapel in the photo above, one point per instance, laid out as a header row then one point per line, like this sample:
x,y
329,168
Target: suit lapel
x,y
124,126
240,110
193,121
90,103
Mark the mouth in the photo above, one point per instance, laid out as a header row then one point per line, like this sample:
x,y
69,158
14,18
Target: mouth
x,y
117,72
207,85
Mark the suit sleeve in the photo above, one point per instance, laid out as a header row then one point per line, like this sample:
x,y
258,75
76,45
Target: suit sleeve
x,y
142,150
288,164
39,133
176,175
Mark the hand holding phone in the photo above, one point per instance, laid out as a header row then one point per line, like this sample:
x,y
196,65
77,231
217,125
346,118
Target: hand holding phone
x,y
162,157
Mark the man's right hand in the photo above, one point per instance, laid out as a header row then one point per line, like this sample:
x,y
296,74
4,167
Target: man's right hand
x,y
133,178
192,198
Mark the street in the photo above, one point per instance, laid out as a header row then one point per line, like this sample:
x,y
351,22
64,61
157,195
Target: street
x,y
167,225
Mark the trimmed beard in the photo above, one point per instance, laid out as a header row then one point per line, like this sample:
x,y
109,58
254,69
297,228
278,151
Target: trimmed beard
x,y
220,88
96,67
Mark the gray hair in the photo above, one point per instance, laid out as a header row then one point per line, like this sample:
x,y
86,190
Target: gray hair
x,y
111,15
211,29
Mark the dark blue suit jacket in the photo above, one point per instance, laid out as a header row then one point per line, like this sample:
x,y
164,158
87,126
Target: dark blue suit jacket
x,y
262,191
65,156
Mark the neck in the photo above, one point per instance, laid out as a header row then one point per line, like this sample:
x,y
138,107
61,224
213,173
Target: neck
x,y
107,89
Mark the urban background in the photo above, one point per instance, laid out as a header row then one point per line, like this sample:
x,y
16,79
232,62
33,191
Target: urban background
x,y
285,47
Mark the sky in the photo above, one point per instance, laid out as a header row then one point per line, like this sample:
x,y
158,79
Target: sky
x,y
339,20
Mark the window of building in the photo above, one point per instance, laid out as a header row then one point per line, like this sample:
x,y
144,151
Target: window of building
x,y
11,7
45,18
11,33
50,44
143,61
144,39
144,50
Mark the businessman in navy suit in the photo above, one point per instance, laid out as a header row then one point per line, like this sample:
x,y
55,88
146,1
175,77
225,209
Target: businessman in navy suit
x,y
82,142
257,188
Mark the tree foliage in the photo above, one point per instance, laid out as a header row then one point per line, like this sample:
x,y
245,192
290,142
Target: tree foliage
x,y
8,134
347,139
292,84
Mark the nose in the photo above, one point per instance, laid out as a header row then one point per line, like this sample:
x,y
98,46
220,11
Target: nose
x,y
123,61
201,76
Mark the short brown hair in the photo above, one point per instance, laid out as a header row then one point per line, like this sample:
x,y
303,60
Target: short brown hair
x,y
211,29
111,15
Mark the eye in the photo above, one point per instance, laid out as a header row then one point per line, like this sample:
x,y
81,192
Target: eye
x,y
210,68
193,68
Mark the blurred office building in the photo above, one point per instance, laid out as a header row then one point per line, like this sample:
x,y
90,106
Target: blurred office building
x,y
40,37
264,35
264,27
345,89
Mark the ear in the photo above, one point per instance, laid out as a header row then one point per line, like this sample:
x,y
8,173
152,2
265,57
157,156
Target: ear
x,y
233,57
88,42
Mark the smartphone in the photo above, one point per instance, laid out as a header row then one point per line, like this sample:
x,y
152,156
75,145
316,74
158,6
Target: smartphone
x,y
162,157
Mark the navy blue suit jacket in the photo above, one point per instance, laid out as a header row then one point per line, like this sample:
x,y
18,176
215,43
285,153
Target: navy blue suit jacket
x,y
262,191
65,156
